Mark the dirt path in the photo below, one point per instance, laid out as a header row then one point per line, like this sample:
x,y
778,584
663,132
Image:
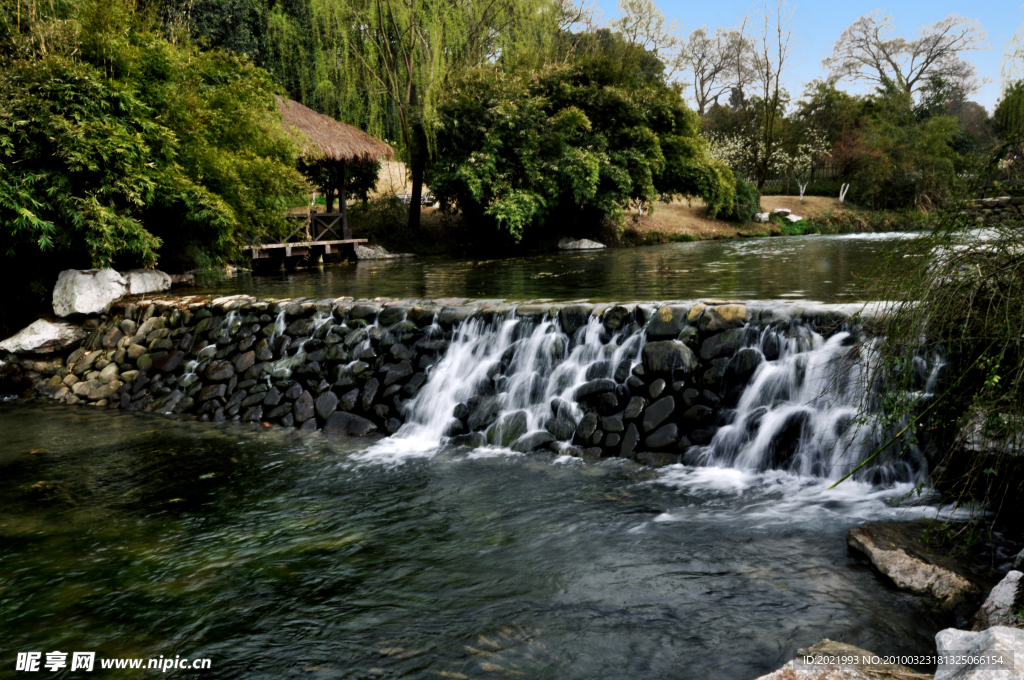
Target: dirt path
x,y
690,218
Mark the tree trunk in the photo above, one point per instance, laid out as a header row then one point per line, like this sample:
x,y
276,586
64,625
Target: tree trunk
x,y
415,198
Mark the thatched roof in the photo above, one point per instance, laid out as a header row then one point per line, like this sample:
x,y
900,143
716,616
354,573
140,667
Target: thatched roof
x,y
327,137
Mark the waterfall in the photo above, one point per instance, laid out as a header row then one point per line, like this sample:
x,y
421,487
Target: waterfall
x,y
515,382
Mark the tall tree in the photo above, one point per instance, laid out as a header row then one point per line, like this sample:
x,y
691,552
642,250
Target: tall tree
x,y
869,52
772,41
641,22
716,62
381,63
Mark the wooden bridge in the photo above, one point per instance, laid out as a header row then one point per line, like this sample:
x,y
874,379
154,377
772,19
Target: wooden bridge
x,y
315,234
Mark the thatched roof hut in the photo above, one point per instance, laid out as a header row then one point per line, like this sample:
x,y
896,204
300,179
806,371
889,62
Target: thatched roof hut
x,y
331,139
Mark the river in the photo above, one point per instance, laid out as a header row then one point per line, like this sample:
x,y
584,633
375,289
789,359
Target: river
x,y
280,554
817,268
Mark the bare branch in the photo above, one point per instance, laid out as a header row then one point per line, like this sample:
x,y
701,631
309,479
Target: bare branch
x,y
868,51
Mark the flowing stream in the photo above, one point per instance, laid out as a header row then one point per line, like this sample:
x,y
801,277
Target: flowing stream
x,y
280,554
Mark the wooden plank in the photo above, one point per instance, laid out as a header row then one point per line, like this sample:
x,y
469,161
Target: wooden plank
x,y
297,244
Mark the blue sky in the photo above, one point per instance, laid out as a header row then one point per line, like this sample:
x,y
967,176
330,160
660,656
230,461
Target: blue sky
x,y
818,24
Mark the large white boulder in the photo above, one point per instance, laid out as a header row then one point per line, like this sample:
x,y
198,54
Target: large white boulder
x,y
87,291
43,337
993,654
142,281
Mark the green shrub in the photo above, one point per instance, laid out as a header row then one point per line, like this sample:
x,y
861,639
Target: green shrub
x,y
746,203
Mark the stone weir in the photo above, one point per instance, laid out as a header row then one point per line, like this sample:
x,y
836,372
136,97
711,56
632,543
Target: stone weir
x,y
647,381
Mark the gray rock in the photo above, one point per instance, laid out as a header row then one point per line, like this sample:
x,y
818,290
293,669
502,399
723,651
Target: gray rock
x,y
325,404
698,414
629,441
169,362
212,392
634,408
303,408
348,400
340,422
721,317
616,317
666,435
219,370
723,344
44,337
483,411
507,429
143,281
87,292
658,412
613,423
166,403
585,430
998,608
667,323
574,317
594,388
532,442
668,358
243,362
473,440
399,372
743,364
370,393
656,388
561,427
966,646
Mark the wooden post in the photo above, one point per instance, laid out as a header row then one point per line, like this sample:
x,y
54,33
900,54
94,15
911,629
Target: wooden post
x,y
343,208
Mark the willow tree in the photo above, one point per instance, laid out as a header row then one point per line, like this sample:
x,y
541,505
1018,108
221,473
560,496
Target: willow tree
x,y
380,64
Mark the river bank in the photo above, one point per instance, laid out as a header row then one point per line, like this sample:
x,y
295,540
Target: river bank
x,y
678,221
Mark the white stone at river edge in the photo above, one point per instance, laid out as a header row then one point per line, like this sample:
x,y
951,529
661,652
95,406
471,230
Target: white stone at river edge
x,y
43,337
142,281
376,253
582,244
997,609
87,291
910,573
794,218
999,640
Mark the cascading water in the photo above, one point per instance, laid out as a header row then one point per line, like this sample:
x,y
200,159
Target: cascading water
x,y
525,367
799,411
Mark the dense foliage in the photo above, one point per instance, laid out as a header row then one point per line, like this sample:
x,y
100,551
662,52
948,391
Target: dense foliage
x,y
566,145
123,149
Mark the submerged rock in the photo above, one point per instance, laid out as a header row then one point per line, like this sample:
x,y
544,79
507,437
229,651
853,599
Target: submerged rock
x,y
582,244
912,573
348,423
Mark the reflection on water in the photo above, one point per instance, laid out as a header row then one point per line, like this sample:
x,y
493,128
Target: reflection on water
x,y
281,555
819,268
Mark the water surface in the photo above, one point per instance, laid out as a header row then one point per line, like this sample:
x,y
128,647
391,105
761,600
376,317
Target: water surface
x,y
812,268
279,555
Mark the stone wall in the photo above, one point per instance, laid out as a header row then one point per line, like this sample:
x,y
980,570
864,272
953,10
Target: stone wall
x,y
995,210
234,359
